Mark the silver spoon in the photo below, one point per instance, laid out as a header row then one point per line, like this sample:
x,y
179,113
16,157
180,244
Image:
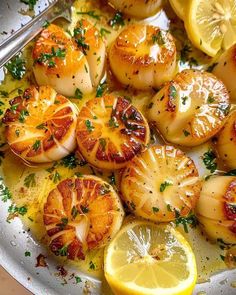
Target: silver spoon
x,y
17,41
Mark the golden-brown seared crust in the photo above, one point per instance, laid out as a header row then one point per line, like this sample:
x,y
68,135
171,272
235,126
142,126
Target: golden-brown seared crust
x,y
51,39
161,184
191,108
226,142
40,125
143,56
111,131
216,209
81,214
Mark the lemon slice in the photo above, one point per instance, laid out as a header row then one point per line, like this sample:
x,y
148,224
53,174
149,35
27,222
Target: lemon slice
x,y
146,258
179,7
211,25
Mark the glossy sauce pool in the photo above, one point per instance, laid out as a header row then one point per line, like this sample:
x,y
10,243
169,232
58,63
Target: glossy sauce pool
x,y
46,177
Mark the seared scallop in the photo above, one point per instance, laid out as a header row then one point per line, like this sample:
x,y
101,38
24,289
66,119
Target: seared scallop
x,y
111,131
226,143
40,125
137,8
143,56
216,208
66,63
225,70
161,184
81,214
191,108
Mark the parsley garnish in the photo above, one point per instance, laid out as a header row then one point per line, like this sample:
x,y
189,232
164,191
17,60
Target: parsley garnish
x,y
231,173
113,123
63,223
184,98
155,209
186,133
185,221
164,185
104,31
112,179
19,210
29,181
211,67
27,254
172,92
4,94
89,125
79,36
74,212
5,194
41,126
69,161
92,265
117,20
209,159
184,53
23,114
16,67
210,99
158,38
78,280
78,93
31,3
103,143
36,145
49,57
84,209
90,13
63,251
105,189
56,177
102,87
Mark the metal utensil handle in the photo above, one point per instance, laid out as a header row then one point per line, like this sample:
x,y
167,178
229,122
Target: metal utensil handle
x,y
18,40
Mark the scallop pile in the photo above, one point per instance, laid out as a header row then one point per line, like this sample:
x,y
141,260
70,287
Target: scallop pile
x,y
71,109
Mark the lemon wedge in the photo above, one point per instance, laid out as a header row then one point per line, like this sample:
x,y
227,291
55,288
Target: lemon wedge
x,y
179,7
147,259
211,25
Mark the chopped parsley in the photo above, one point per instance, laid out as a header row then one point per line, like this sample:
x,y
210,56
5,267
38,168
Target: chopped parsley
x,y
224,108
231,173
5,194
101,88
78,94
103,143
104,31
31,3
17,210
84,209
63,223
27,254
46,24
41,126
184,53
113,123
164,185
79,36
184,99
158,38
105,189
36,145
63,251
117,20
56,177
89,125
211,67
69,161
16,67
112,179
90,13
4,93
209,160
186,133
92,265
50,57
185,221
172,92
210,99
23,114
74,212
155,209
29,180
78,280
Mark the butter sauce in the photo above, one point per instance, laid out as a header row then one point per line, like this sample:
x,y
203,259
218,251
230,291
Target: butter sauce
x,y
33,197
